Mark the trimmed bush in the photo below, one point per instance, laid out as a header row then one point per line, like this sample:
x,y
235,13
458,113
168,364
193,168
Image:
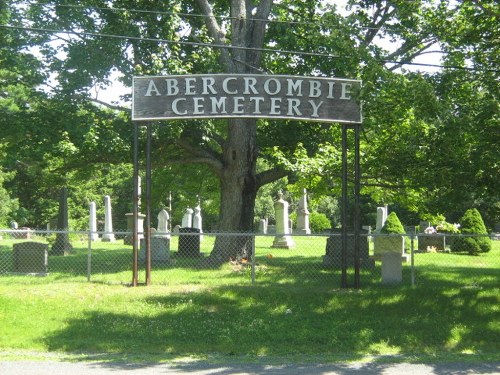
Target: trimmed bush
x,y
318,222
472,223
393,225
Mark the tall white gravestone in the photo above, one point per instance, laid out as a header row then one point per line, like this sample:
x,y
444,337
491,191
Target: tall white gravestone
x,y
197,220
94,236
381,218
187,219
282,239
108,235
303,215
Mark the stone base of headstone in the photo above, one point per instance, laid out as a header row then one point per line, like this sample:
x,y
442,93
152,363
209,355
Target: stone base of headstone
x,y
283,242
30,257
392,269
61,246
428,241
160,250
333,256
189,243
24,233
108,237
389,244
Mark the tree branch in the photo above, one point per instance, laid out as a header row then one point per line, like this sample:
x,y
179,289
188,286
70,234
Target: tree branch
x,y
201,155
270,175
215,31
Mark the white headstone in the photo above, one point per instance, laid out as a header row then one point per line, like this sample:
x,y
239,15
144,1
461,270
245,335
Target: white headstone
x,y
197,220
163,220
303,215
94,236
263,226
108,235
187,219
282,238
381,218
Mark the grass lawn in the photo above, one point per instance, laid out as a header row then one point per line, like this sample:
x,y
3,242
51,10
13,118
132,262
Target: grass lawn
x,y
451,314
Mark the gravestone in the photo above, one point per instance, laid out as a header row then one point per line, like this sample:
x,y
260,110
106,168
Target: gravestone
x,y
381,218
197,220
61,245
94,236
187,219
30,257
282,240
108,235
263,226
160,250
429,239
392,269
163,224
189,243
303,216
333,256
127,240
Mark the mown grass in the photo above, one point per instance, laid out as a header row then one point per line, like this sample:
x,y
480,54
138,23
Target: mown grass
x,y
295,309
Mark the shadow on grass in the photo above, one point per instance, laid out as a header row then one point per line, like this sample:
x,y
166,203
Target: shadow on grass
x,y
281,321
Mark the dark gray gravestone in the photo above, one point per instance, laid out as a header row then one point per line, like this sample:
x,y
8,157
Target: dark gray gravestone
x,y
62,245
160,250
30,257
189,242
333,256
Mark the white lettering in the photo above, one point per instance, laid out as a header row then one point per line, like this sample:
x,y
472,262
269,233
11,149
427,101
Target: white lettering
x,y
226,88
293,107
175,109
190,86
314,89
315,108
346,91
198,105
218,104
250,86
267,85
257,100
330,90
208,85
238,106
172,87
275,106
152,87
294,86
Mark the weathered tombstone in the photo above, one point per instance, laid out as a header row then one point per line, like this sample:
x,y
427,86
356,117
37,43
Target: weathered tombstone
x,y
263,226
392,269
187,219
197,220
381,218
94,236
62,245
127,240
333,256
429,239
163,224
390,243
303,215
160,250
108,235
30,257
13,225
189,243
282,240
175,229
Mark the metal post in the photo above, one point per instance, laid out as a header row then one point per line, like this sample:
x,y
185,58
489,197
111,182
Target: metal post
x,y
343,281
253,258
89,256
148,205
357,224
412,249
135,235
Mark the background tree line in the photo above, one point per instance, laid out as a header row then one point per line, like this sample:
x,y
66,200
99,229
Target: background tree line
x,y
430,141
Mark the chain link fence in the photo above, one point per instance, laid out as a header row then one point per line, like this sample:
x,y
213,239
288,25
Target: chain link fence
x,y
191,258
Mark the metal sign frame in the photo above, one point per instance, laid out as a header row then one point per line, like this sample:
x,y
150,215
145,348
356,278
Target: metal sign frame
x,y
194,84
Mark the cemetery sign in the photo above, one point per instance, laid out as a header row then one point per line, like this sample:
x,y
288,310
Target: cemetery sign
x,y
246,95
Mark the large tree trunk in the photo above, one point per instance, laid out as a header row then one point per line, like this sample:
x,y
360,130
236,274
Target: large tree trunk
x,y
238,190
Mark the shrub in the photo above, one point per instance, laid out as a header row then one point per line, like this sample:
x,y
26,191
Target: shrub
x,y
472,223
318,222
393,225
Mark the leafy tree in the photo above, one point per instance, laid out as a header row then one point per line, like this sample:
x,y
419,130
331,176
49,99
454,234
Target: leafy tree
x,y
392,225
